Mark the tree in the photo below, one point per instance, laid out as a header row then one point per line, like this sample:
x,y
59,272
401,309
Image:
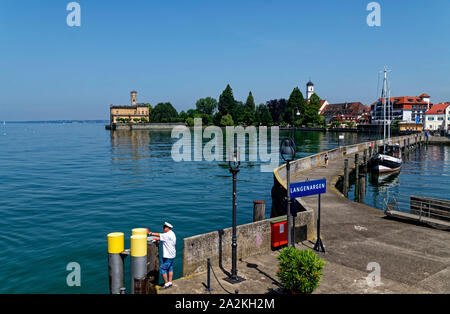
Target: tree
x,y
206,105
277,109
249,113
226,101
183,116
266,118
238,113
250,103
295,102
311,114
164,112
227,120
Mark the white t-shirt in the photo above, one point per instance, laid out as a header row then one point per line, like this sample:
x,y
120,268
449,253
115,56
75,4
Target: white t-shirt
x,y
169,240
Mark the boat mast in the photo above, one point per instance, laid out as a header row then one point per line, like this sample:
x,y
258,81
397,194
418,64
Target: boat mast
x,y
383,95
389,112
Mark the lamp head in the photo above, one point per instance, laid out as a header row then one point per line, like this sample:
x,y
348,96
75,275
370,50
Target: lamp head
x,y
235,163
287,149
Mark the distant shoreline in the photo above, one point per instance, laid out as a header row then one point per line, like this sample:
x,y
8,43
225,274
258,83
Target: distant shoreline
x,y
55,121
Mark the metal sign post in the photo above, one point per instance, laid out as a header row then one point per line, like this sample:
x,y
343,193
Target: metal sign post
x,y
301,189
319,245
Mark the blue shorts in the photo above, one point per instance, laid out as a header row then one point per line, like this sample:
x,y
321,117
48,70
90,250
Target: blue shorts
x,y
166,266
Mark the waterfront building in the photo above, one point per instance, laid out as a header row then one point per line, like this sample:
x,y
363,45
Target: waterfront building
x,y
410,127
405,108
355,112
438,118
134,113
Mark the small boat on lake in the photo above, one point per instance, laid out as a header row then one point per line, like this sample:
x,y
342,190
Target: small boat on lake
x,y
389,158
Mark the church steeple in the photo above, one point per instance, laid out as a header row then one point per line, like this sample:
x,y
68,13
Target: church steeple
x,y
309,90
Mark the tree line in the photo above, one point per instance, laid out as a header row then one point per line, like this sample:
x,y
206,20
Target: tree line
x,y
228,111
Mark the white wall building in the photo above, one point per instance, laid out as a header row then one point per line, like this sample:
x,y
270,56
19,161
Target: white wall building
x,y
438,118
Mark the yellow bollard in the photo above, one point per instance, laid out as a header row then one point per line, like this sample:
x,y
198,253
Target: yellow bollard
x,y
138,260
115,261
138,245
137,231
115,243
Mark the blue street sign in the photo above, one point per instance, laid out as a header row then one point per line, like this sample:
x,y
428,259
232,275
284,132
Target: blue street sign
x,y
300,189
417,119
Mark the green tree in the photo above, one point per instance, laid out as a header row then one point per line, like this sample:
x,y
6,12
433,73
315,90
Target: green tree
x,y
311,114
164,112
226,101
227,120
238,113
249,114
296,102
206,105
250,103
266,118
183,116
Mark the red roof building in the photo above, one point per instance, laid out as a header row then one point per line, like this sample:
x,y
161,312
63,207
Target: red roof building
x,y
438,117
405,108
345,112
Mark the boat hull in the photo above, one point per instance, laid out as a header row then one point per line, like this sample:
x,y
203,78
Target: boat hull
x,y
384,164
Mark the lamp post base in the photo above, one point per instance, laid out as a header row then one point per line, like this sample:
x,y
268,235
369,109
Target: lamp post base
x,y
234,280
319,246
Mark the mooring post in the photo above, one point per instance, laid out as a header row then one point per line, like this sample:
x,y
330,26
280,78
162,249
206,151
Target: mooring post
x,y
259,210
208,275
362,187
370,152
365,160
357,176
152,266
138,261
345,187
152,274
115,262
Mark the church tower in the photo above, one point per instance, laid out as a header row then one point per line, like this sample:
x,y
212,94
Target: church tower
x,y
309,90
133,98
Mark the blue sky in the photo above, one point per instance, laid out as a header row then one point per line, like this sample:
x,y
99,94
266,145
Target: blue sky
x,y
180,51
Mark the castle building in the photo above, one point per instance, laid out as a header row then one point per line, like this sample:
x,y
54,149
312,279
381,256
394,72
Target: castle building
x,y
134,113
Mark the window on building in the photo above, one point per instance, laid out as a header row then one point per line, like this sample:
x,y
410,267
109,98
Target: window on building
x,y
440,118
430,119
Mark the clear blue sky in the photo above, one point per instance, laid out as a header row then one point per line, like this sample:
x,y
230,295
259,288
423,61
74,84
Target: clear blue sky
x,y
180,51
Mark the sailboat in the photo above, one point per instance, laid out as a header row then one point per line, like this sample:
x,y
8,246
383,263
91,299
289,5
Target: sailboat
x,y
389,158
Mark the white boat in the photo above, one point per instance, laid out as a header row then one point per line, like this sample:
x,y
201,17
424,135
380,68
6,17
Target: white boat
x,y
389,158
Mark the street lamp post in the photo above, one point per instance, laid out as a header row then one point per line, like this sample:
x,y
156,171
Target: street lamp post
x,y
287,150
234,169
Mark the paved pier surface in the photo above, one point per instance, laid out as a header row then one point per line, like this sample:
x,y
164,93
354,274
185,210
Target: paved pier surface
x,y
412,258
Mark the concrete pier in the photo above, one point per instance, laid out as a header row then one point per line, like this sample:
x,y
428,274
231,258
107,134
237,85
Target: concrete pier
x,y
411,258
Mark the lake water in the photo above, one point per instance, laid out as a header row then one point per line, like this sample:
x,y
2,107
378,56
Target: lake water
x,y
425,172
64,187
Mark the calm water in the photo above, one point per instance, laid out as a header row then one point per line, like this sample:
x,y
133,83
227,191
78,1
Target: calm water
x,y
425,172
64,187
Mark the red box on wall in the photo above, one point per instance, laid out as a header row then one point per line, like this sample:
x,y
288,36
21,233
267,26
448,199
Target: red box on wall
x,y
278,230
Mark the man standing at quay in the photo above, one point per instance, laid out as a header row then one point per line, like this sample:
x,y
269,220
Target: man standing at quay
x,y
169,240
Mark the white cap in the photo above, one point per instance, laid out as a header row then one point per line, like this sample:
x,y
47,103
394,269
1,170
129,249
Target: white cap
x,y
168,225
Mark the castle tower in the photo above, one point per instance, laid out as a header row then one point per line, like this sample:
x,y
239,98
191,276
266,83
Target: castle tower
x,y
309,90
133,98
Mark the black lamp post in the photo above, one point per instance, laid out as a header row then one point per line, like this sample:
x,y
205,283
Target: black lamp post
x,y
234,169
287,151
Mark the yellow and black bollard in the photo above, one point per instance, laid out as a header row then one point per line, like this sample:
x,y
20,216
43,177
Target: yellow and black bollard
x,y
115,262
138,260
